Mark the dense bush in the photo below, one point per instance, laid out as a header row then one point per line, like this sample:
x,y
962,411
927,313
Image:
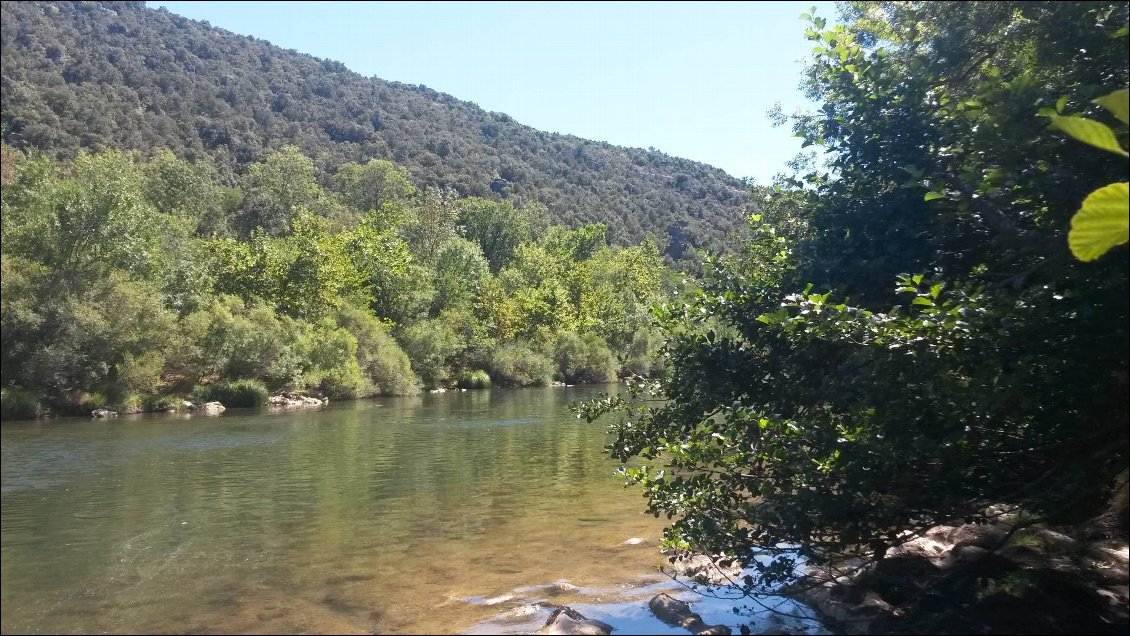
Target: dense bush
x,y
584,359
477,379
379,357
235,394
322,297
516,364
18,404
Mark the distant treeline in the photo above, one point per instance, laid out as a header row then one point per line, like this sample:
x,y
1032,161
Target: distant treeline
x,y
135,283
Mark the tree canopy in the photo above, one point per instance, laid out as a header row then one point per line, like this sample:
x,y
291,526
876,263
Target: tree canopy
x,y
907,338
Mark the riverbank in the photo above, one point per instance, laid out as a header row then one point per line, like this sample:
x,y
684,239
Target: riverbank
x,y
1002,577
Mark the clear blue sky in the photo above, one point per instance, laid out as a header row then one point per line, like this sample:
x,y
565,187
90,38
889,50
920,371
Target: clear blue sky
x,y
693,80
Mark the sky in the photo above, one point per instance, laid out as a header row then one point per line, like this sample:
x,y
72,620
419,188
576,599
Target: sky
x,y
694,80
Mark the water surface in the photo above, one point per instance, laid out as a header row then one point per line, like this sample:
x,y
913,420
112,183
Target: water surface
x,y
410,515
367,516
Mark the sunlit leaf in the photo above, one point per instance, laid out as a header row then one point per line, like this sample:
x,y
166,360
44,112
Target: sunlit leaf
x,y
1101,223
1090,132
1118,103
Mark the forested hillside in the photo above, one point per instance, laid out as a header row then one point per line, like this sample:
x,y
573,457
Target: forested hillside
x,y
100,76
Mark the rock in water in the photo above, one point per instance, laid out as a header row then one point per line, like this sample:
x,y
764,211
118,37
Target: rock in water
x,y
103,413
678,614
212,408
568,621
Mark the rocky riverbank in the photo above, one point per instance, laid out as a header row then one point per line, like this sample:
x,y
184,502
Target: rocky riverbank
x,y
993,578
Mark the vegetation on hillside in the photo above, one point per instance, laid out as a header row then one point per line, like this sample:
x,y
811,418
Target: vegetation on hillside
x,y
97,76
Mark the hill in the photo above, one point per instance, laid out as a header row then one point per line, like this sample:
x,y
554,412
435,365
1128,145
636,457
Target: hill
x,y
100,75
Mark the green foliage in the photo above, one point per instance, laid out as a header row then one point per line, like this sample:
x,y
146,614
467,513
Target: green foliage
x,y
235,394
584,359
144,79
276,189
517,364
497,226
1103,221
795,422
432,346
373,185
379,357
311,308
84,221
460,270
476,379
19,404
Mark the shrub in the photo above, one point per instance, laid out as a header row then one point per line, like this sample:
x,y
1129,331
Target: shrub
x,y
477,379
379,357
238,393
431,345
516,364
18,404
584,359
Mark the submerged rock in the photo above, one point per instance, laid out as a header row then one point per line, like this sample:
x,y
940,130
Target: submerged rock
x,y
678,613
568,621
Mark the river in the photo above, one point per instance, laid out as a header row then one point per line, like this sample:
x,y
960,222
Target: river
x,y
430,514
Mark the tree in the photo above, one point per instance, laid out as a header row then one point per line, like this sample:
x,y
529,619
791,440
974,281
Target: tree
x,y
276,189
497,226
798,424
374,184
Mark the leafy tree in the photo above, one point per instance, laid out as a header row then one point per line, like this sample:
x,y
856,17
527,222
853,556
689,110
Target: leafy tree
x,y
374,184
497,226
276,189
800,424
83,222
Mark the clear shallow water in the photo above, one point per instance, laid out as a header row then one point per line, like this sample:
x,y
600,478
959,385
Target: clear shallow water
x,y
418,515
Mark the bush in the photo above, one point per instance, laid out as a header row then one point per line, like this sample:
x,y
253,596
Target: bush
x,y
431,345
235,394
18,404
516,364
477,379
380,358
584,359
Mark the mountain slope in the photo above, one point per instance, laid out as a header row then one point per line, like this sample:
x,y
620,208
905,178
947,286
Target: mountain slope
x,y
102,75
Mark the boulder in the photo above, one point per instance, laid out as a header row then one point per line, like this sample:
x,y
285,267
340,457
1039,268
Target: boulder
x,y
188,405
565,620
212,408
678,614
295,401
103,413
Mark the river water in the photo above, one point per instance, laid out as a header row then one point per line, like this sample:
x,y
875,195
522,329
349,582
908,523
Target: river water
x,y
456,512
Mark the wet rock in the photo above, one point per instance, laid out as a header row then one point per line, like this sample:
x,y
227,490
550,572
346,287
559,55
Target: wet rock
x,y
212,408
295,401
635,541
565,620
188,405
100,413
678,614
706,570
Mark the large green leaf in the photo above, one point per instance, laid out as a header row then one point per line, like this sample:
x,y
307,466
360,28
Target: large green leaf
x,y
1117,103
1089,132
1101,223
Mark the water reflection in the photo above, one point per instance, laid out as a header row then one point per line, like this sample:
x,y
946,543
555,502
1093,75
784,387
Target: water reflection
x,y
367,516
